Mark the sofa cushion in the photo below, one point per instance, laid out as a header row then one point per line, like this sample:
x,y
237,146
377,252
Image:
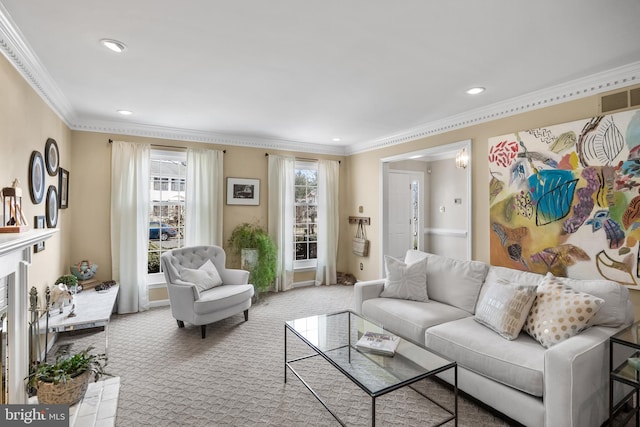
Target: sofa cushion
x,y
405,281
413,255
205,277
559,312
222,297
409,318
613,312
518,363
455,282
505,306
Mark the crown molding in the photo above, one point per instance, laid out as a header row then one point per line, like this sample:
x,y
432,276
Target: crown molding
x,y
22,57
178,134
619,77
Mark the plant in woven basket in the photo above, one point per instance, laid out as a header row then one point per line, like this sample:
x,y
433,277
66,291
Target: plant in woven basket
x,y
65,380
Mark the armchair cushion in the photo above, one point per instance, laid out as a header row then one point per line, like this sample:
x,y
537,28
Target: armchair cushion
x,y
205,277
221,297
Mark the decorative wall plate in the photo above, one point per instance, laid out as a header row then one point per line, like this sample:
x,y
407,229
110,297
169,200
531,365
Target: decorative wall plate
x,y
36,177
52,206
52,156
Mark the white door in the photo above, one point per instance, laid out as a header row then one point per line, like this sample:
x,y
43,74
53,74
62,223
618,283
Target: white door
x,y
404,212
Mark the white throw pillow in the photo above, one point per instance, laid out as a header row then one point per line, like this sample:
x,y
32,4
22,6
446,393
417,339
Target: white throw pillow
x,y
559,312
505,306
405,281
205,277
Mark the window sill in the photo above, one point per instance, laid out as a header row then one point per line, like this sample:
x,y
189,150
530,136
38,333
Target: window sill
x,y
300,266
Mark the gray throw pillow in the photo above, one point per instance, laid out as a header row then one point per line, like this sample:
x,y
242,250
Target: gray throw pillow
x,y
205,277
405,281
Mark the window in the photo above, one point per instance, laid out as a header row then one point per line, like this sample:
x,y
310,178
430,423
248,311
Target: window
x,y
166,213
306,220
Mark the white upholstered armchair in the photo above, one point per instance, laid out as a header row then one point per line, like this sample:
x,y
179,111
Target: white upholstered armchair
x,y
201,289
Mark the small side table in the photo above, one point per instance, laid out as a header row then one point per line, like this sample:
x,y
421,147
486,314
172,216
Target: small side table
x,y
624,373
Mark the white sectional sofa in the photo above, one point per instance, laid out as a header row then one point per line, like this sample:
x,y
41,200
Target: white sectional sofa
x,y
560,386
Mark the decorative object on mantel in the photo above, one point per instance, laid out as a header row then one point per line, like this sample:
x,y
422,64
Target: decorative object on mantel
x,y
13,219
84,270
65,381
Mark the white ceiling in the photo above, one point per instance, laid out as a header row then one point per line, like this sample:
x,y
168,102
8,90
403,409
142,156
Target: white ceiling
x,y
297,73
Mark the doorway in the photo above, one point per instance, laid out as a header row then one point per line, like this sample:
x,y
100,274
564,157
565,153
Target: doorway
x,y
404,211
440,223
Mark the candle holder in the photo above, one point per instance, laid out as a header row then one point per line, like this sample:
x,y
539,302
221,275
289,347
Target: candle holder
x,y
13,219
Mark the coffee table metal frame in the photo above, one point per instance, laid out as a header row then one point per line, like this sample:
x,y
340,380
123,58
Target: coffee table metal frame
x,y
350,348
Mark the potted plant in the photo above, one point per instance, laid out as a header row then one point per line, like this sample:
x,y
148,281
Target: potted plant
x,y
65,381
263,269
69,280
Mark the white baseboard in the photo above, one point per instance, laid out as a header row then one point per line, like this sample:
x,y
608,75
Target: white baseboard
x,y
303,284
158,303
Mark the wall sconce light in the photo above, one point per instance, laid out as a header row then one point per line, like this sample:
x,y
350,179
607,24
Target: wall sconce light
x,y
462,159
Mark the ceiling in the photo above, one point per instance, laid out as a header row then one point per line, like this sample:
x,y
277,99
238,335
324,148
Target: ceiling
x,y
296,74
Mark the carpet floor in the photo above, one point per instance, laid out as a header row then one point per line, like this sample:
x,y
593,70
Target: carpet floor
x,y
235,376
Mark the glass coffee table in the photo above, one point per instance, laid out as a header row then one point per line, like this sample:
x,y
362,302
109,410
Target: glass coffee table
x,y
334,337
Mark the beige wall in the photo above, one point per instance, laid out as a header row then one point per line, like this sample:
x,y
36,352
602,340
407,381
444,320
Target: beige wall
x,y
91,189
25,124
365,190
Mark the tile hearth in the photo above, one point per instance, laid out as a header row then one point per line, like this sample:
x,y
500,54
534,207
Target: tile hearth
x,y
98,407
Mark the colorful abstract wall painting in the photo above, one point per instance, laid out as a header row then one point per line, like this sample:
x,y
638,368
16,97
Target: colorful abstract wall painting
x,y
566,199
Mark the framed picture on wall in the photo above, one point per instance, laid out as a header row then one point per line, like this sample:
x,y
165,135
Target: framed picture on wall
x,y
243,191
51,205
36,177
39,222
63,188
52,156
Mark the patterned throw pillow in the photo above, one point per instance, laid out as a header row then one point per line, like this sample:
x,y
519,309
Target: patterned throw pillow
x,y
505,306
405,281
559,312
205,277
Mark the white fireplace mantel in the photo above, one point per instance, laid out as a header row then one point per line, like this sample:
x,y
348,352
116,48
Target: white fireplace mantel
x,y
15,258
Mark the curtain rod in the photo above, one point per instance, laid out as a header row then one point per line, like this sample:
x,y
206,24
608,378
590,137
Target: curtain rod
x,y
165,146
304,159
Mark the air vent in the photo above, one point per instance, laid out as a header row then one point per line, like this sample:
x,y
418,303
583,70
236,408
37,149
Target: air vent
x,y
615,101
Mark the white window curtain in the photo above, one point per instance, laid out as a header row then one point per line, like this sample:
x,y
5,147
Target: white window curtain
x,y
130,172
203,204
328,221
282,170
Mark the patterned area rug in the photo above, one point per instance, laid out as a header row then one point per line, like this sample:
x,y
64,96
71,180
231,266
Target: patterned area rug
x,y
235,376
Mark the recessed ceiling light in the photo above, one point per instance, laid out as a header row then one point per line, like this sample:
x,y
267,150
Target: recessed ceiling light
x,y
125,112
475,90
113,45
336,139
